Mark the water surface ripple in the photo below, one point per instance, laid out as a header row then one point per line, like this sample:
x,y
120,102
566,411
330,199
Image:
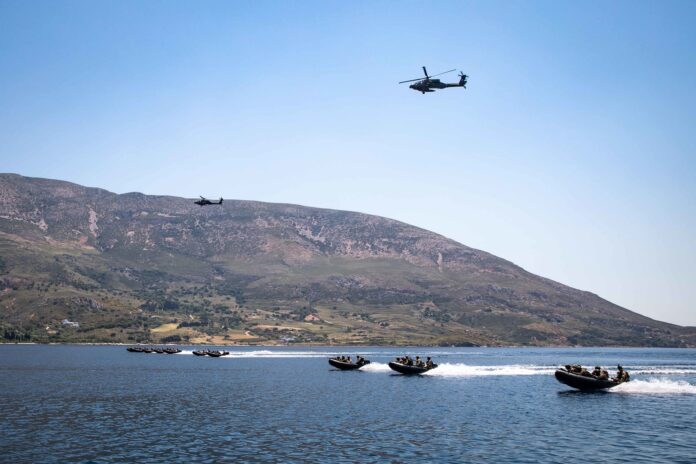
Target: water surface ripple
x,y
276,405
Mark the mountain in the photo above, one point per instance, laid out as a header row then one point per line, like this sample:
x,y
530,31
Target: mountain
x,y
85,264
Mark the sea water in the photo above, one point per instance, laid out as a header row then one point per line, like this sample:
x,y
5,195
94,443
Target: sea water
x,y
68,403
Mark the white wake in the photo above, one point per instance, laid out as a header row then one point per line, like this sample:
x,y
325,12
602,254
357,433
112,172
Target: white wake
x,y
663,370
656,387
466,370
376,367
269,354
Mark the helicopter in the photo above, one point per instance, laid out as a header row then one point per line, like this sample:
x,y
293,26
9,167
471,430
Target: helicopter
x,y
428,84
204,202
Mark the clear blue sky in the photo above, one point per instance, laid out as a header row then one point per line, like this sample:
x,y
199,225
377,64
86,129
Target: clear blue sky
x,y
572,153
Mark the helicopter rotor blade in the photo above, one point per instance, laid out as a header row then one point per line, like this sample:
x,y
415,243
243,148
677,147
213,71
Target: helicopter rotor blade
x,y
411,80
426,76
439,74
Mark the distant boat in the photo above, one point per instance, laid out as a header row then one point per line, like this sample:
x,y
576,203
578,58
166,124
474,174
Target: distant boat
x,y
217,354
200,353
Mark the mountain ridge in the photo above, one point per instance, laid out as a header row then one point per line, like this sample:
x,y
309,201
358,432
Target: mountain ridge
x,y
136,267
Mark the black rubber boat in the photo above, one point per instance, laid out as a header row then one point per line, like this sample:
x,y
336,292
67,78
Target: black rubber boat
x,y
409,370
172,350
346,366
200,353
134,349
583,383
217,354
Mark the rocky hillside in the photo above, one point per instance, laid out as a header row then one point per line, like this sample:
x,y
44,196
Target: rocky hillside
x,y
84,264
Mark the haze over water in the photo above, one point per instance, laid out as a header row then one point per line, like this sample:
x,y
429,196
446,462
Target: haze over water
x,y
103,404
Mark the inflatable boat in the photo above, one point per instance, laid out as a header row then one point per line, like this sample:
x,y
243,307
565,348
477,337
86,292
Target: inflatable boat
x,y
409,370
582,382
346,366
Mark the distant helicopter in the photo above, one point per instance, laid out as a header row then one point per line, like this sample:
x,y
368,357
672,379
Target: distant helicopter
x,y
204,202
427,84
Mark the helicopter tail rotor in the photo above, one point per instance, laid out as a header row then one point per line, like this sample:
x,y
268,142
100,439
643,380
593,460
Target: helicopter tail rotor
x,y
462,79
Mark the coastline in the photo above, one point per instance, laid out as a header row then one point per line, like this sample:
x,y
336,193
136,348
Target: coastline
x,y
323,345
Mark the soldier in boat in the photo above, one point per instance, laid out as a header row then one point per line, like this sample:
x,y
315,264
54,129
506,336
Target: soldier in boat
x,y
621,375
600,373
573,368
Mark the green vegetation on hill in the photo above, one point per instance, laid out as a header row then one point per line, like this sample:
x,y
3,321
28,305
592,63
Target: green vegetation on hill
x,y
84,265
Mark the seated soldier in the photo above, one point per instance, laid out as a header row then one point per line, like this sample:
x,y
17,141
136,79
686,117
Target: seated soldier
x,y
597,371
584,372
604,375
429,363
621,375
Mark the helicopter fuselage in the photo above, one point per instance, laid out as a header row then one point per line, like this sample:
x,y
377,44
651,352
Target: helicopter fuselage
x,y
426,85
206,202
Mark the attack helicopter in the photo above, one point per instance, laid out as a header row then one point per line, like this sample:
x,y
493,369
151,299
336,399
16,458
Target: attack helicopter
x,y
428,84
204,202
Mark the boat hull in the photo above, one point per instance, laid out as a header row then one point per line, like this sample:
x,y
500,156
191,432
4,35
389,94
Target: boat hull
x,y
583,383
346,366
409,370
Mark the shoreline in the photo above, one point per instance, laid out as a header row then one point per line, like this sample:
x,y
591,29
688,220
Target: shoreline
x,y
310,345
